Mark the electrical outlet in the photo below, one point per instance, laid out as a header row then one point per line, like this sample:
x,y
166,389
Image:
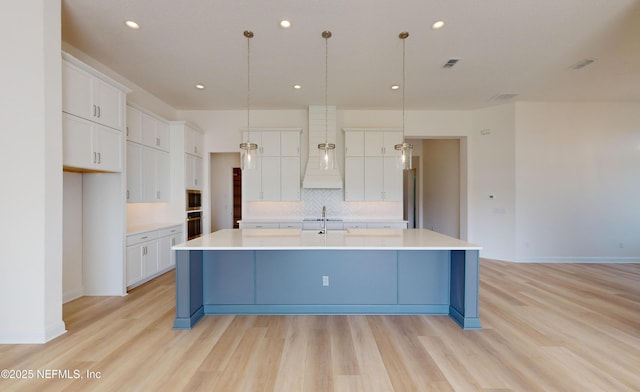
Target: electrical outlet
x,y
325,280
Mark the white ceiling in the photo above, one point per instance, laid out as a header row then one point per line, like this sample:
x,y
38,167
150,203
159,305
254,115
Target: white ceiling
x,y
524,47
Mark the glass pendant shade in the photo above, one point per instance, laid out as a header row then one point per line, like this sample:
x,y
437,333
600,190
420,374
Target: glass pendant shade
x,y
404,155
327,156
249,156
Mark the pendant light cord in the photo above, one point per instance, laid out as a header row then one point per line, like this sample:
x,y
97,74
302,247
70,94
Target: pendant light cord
x,y
403,85
248,83
326,86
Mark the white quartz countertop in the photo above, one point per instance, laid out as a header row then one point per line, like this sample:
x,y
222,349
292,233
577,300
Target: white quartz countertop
x,y
291,239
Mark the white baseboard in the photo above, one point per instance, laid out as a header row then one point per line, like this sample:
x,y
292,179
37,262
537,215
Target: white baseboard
x,y
71,295
592,260
33,336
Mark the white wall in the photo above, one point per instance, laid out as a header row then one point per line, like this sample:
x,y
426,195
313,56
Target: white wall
x,y
31,162
441,185
578,181
72,237
491,181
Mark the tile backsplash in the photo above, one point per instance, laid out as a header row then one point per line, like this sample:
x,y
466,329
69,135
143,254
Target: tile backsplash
x,y
311,207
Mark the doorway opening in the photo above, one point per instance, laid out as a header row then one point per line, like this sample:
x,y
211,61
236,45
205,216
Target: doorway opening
x,y
440,200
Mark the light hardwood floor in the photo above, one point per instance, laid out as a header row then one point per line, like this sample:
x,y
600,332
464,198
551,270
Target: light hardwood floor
x,y
546,327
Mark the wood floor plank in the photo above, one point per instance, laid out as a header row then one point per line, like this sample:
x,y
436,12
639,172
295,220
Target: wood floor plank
x,y
546,327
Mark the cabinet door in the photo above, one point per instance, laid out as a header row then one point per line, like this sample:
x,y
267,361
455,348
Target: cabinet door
x,y
354,179
148,163
148,130
373,144
270,144
77,142
270,178
354,144
150,258
162,175
174,240
390,140
290,144
109,102
134,173
252,183
193,142
162,136
290,178
134,125
134,263
392,180
373,178
108,146
193,172
198,173
164,253
76,91
188,171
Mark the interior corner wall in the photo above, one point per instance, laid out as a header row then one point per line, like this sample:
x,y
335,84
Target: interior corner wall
x,y
578,181
31,161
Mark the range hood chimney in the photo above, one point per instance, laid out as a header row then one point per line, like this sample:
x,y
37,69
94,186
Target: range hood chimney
x,y
314,176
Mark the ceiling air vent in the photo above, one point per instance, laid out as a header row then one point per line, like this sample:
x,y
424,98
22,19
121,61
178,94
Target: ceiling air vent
x,y
502,97
583,63
450,63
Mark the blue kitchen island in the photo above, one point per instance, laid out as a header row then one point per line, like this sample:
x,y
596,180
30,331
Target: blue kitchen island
x,y
357,271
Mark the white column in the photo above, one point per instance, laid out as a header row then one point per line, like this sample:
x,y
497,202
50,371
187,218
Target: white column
x,y
31,173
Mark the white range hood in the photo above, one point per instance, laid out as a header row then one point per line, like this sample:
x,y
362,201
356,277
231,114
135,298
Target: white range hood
x,y
314,176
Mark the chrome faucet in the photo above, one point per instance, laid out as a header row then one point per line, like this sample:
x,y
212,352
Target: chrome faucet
x,y
323,228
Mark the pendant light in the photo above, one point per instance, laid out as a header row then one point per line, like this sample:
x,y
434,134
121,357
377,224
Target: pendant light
x,y
404,150
327,150
249,150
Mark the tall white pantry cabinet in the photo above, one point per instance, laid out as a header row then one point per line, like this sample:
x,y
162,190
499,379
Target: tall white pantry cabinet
x,y
93,107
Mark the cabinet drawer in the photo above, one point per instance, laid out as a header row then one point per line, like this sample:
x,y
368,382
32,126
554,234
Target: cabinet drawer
x,y
169,231
133,239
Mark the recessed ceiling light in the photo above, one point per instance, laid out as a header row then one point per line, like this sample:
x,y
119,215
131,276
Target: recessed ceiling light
x,y
297,86
200,86
438,25
132,25
285,24
395,87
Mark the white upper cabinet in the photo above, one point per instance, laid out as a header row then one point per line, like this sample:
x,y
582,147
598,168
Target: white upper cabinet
x,y
193,141
88,96
148,161
354,144
134,125
381,143
87,145
147,129
370,170
277,174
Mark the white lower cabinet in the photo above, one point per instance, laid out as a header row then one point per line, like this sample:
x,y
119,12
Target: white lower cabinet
x,y
149,253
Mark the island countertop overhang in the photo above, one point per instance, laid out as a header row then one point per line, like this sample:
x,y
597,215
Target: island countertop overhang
x,y
354,239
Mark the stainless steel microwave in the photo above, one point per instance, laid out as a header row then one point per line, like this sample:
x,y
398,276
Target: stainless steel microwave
x,y
194,200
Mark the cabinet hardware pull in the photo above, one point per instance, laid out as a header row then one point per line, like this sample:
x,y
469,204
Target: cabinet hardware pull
x,y
94,110
144,237
99,158
98,111
158,141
